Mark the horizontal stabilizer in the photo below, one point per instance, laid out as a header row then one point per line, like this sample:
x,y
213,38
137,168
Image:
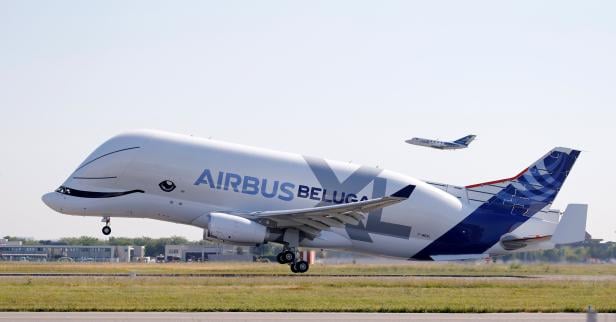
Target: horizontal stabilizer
x,y
572,226
518,243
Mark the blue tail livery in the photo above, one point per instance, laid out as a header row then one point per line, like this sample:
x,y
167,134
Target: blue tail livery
x,y
506,204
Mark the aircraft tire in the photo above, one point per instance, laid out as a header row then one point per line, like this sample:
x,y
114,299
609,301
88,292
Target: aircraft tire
x,y
106,230
280,259
292,266
288,256
301,266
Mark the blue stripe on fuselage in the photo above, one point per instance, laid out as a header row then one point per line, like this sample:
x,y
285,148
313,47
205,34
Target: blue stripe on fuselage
x,y
479,231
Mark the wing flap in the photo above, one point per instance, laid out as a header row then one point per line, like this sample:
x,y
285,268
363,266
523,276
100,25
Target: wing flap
x,y
312,223
310,231
331,221
348,220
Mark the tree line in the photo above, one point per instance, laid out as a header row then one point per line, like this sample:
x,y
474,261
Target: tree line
x,y
587,251
583,252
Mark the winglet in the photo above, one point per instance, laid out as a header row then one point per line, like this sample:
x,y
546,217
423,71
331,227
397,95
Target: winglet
x,y
404,192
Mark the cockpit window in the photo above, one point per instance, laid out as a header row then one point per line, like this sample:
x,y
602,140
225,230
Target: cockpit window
x,y
64,190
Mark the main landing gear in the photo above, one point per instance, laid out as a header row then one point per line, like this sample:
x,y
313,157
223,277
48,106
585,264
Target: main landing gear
x,y
289,254
106,228
286,256
289,257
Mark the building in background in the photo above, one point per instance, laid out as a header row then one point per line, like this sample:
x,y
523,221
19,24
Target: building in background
x,y
129,253
211,252
16,251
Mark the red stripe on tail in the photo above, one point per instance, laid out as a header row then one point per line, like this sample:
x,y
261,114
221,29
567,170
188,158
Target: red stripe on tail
x,y
498,181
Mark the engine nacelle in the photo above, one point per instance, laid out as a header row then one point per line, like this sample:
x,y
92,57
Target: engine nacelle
x,y
234,229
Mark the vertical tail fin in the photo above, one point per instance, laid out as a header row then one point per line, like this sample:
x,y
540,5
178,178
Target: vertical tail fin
x,y
533,188
465,140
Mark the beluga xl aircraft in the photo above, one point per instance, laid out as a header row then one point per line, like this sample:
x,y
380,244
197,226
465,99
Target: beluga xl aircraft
x,y
249,196
461,143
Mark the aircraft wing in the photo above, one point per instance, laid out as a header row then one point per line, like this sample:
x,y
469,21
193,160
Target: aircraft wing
x,y
313,220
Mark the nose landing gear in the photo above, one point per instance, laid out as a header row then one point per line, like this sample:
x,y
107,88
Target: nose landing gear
x,y
106,229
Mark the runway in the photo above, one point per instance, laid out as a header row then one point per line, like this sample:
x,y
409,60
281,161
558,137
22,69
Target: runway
x,y
298,317
234,275
596,278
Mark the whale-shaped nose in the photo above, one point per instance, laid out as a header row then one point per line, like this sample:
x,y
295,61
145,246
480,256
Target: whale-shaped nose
x,y
51,199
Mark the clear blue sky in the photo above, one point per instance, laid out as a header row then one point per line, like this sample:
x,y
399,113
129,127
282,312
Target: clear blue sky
x,y
348,80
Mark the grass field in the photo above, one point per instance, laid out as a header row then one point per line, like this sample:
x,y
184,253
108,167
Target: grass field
x,y
409,268
569,293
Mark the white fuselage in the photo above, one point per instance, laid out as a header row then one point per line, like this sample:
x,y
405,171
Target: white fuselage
x,y
203,176
441,145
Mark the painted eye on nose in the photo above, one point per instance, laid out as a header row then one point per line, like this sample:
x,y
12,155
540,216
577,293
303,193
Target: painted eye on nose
x,y
167,185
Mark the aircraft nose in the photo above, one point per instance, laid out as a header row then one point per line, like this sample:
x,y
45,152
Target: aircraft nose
x,y
51,200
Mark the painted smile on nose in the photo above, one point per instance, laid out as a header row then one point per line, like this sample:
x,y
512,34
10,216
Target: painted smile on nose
x,y
94,194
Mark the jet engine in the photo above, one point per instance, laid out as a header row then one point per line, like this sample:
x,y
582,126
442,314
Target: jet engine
x,y
234,229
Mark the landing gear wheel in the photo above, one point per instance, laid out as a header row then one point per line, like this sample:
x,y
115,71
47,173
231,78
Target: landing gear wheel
x,y
292,266
106,230
287,256
300,267
280,259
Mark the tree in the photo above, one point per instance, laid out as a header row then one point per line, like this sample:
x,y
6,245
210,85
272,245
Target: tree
x,y
82,241
121,241
23,240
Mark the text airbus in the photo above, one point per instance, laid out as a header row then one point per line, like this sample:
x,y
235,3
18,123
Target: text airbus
x,y
285,191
